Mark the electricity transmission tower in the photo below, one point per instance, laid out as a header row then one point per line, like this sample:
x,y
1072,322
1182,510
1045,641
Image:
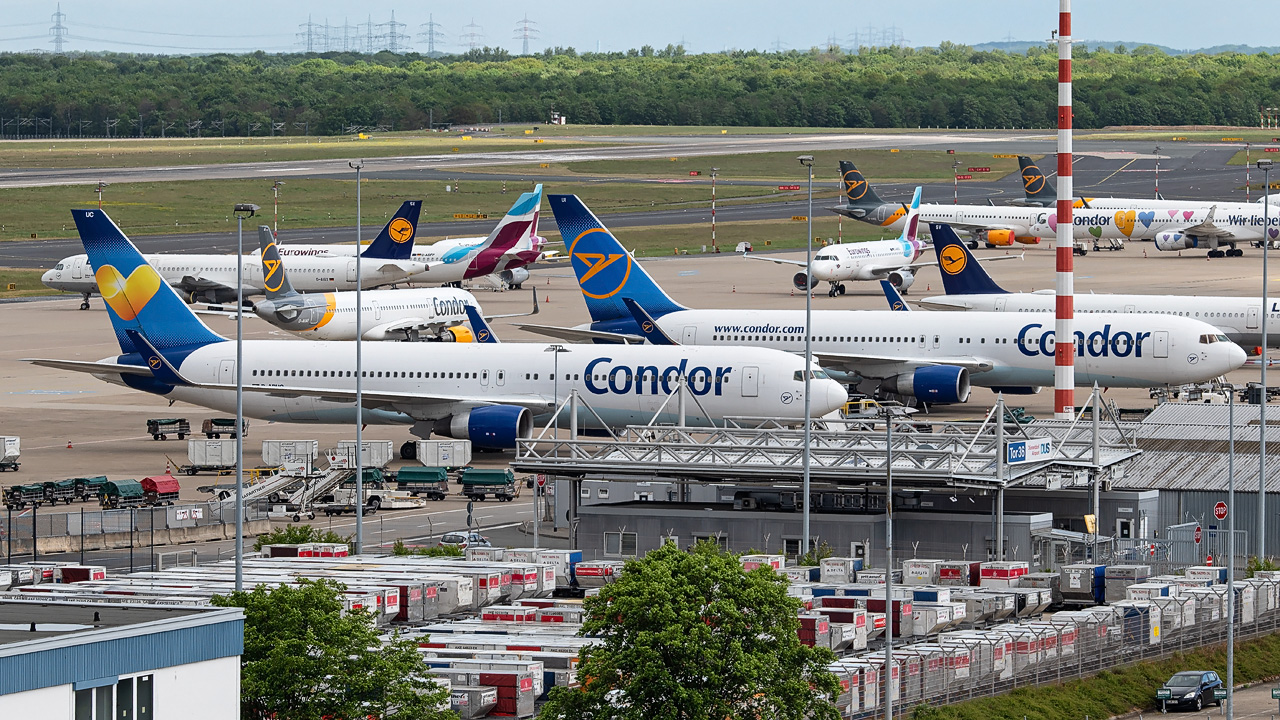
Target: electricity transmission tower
x,y
430,31
472,36
312,34
393,37
58,31
526,31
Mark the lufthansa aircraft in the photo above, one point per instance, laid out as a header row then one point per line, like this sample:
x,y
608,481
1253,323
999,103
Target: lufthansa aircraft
x,y
212,278
490,394
969,287
930,356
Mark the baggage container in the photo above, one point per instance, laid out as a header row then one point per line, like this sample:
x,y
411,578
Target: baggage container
x,y
1176,612
802,573
839,570
1026,650
1003,570
815,630
1083,584
10,451
509,613
1140,622
1209,573
979,607
1050,581
122,494
79,573
565,563
931,594
963,572
296,457
473,701
1008,603
485,554
930,618
920,572
162,428
901,614
428,482
751,562
1265,594
209,455
598,573
446,453
373,454
160,489
1120,577
1150,591
876,576
1245,608
570,615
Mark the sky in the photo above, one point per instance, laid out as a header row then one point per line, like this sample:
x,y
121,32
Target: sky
x,y
169,26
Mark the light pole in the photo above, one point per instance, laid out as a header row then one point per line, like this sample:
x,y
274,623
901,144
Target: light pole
x,y
1246,172
714,172
242,211
807,161
1265,166
359,548
1157,172
98,190
888,564
1231,552
275,191
955,178
555,351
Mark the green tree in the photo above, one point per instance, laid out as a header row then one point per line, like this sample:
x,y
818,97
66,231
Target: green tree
x,y
304,659
691,636
298,534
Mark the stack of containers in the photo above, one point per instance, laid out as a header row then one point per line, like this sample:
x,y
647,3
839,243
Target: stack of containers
x,y
1050,581
1002,574
815,630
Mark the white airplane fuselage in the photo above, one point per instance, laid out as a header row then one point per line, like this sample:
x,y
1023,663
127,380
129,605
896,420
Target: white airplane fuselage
x,y
399,314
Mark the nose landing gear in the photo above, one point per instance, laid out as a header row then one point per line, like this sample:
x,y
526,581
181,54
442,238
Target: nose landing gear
x,y
836,289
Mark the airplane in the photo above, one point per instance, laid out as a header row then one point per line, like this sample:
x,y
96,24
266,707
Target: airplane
x,y
933,357
490,394
505,253
212,278
891,260
403,314
1174,225
969,287
894,260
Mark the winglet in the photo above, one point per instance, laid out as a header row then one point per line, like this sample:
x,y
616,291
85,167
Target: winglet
x,y
161,368
896,303
274,278
484,334
395,242
648,326
961,272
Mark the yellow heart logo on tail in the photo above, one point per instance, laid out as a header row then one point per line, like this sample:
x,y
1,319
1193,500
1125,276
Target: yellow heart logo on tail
x,y
127,297
1124,221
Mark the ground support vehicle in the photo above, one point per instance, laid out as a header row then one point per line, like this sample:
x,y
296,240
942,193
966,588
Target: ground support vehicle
x,y
162,428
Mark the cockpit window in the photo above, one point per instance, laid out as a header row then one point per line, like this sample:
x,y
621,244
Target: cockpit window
x,y
825,257
58,266
1210,339
815,374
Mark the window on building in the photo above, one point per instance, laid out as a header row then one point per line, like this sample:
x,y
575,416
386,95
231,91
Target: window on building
x,y
620,544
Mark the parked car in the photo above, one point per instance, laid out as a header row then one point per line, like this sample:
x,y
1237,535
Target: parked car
x,y
465,540
1191,689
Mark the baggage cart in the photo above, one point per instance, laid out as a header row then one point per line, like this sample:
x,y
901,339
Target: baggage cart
x,y
429,482
10,447
122,494
162,428
20,496
64,490
477,484
214,428
160,489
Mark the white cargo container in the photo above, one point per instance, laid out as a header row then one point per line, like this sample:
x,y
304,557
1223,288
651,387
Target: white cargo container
x,y
751,562
486,554
10,447
920,572
444,453
373,453
211,453
290,454
839,570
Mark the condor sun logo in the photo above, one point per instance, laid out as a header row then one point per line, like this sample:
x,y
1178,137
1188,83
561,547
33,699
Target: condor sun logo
x,y
600,274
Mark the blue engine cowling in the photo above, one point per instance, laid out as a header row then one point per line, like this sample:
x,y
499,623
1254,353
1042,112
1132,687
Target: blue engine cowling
x,y
940,384
491,427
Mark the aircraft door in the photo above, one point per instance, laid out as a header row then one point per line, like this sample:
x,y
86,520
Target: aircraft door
x,y
377,310
227,372
1161,340
1000,304
351,271
77,268
1251,318
750,381
690,335
1129,308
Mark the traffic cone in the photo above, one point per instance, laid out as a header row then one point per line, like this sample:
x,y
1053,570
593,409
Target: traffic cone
x,y
928,288
793,292
548,300
68,444
168,468
1144,252
735,289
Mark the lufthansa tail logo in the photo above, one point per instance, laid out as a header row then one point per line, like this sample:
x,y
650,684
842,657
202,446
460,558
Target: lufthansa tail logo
x,y
855,186
601,275
952,260
400,230
1033,180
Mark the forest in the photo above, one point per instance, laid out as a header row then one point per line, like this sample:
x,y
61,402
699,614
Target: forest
x,y
895,87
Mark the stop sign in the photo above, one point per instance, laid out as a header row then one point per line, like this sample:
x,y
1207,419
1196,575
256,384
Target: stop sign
x,y
542,480
1199,534
1220,511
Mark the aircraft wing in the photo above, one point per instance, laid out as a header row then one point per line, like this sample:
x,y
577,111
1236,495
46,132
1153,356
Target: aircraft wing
x,y
1206,228
867,364
97,368
577,335
409,323
534,311
775,258
972,228
192,283
886,269
377,398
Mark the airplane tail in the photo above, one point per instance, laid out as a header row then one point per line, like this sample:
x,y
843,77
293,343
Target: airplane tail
x,y
519,225
483,333
857,191
1036,186
606,271
910,228
137,298
395,242
962,274
274,278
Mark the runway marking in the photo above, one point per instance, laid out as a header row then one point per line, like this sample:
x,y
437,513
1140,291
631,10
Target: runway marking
x,y
1122,167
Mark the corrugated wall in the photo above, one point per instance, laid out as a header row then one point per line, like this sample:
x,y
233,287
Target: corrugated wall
x,y
1180,506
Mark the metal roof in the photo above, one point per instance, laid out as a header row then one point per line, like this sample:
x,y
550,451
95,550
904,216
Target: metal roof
x,y
1185,448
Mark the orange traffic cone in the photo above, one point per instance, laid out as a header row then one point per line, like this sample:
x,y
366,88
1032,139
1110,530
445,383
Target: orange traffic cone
x,y
68,444
548,299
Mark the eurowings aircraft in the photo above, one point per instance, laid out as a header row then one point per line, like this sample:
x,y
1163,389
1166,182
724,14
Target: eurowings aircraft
x,y
490,394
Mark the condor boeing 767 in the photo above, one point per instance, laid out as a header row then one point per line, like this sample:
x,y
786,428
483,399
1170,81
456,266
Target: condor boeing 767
x,y
930,356
491,394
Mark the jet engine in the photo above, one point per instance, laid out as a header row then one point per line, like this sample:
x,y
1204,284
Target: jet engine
x,y
457,333
1174,241
1000,238
1027,239
799,280
514,277
940,384
490,427
901,279
213,295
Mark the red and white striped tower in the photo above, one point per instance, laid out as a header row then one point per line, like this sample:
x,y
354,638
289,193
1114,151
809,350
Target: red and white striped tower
x,y
1064,371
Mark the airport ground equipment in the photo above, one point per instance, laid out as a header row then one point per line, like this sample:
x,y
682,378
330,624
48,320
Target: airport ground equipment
x,y
209,456
122,494
10,450
64,490
429,482
162,428
446,453
160,489
214,428
20,496
479,483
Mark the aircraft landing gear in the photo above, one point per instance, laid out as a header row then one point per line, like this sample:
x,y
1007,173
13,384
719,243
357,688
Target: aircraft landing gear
x,y
1235,252
1217,254
836,290
85,304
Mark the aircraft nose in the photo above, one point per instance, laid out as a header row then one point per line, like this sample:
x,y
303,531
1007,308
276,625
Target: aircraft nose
x,y
834,397
1236,357
47,277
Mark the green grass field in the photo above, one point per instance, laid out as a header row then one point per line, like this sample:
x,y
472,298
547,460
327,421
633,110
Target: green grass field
x,y
1256,154
1240,135
876,165
180,207
26,282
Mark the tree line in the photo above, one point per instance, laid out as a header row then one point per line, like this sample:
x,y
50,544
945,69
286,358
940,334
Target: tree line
x,y
333,93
